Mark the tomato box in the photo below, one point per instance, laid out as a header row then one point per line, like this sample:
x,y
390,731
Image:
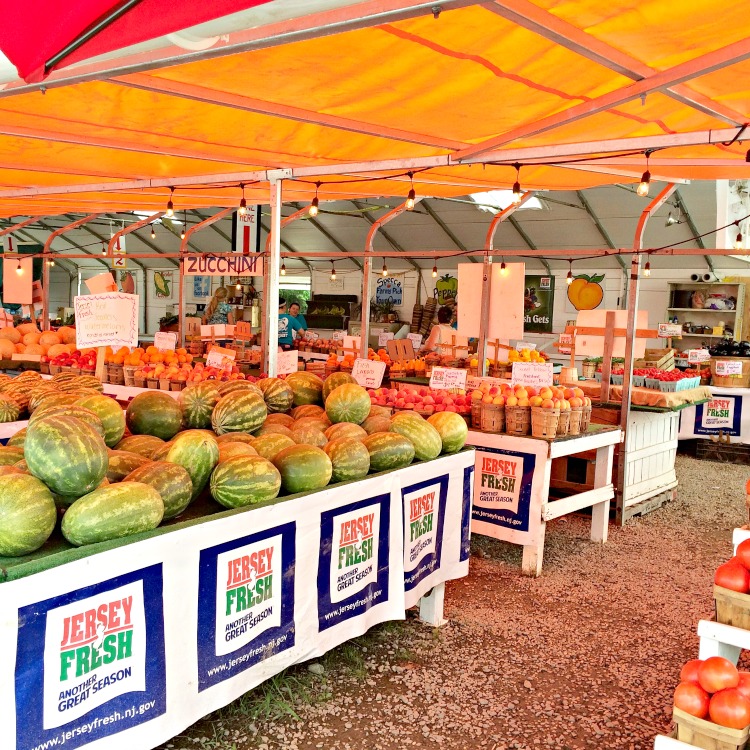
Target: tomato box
x,y
732,608
707,735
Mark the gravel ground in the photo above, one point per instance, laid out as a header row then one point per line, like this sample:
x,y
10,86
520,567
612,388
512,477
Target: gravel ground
x,y
586,656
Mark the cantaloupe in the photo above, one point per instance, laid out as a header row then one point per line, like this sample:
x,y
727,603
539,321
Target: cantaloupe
x,y
67,334
25,328
20,348
35,349
7,348
11,334
56,349
31,338
48,338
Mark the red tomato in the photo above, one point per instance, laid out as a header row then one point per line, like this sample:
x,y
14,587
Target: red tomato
x,y
717,673
692,699
731,575
743,553
744,686
689,673
729,708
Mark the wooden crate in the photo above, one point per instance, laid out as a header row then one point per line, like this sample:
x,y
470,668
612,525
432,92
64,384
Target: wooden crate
x,y
732,608
707,735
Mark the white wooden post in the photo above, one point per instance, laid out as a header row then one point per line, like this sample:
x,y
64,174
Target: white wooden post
x,y
271,290
602,477
431,607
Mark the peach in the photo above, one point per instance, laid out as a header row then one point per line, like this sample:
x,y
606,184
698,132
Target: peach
x,y
521,392
476,395
531,391
487,399
547,404
535,401
511,401
523,402
498,401
545,392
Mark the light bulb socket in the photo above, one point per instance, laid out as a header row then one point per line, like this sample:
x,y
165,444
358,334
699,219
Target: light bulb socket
x,y
411,200
19,267
283,270
243,207
314,206
647,269
503,269
170,208
738,241
434,272
569,278
385,270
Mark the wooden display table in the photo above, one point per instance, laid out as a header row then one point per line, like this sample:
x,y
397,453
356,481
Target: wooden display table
x,y
512,482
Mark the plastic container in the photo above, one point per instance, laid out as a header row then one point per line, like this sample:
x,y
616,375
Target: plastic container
x,y
638,381
616,379
653,383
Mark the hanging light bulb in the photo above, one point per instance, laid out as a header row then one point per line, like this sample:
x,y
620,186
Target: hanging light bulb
x,y
569,277
104,249
182,234
333,272
434,272
50,262
170,204
647,269
239,286
643,188
243,202
385,268
19,268
315,203
517,193
738,241
411,198
283,270
184,224
153,232
503,269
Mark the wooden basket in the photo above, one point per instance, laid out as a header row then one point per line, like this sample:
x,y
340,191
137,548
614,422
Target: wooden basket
x,y
731,381
732,608
493,418
576,416
588,369
517,420
476,414
151,383
164,384
563,423
544,422
55,369
585,418
140,382
330,369
177,385
707,735
44,368
128,372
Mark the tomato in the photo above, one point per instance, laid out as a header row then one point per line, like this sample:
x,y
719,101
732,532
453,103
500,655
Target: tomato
x,y
729,708
717,673
692,699
744,686
689,673
731,575
743,553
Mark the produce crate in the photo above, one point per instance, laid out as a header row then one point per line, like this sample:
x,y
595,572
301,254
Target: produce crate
x,y
653,383
732,608
731,381
707,735
673,386
616,379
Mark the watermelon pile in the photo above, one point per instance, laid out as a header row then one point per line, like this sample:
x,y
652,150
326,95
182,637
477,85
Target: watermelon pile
x,y
99,473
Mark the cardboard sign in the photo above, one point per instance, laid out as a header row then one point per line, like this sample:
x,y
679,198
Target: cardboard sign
x,y
338,335
384,338
448,378
287,362
17,287
367,373
101,283
165,341
352,343
109,319
565,343
416,339
400,350
221,358
696,356
531,373
670,331
727,367
237,265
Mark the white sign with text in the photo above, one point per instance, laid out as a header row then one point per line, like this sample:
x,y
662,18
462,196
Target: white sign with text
x,y
384,338
448,378
670,331
532,373
367,373
165,341
287,362
109,319
696,356
728,367
416,340
221,358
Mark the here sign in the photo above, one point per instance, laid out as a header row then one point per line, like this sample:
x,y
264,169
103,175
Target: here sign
x,y
534,374
367,373
109,319
448,378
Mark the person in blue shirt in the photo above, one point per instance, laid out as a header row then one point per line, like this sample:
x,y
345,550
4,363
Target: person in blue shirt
x,y
294,311
287,325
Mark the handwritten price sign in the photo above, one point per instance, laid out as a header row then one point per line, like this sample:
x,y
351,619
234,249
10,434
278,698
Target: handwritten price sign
x,y
727,367
670,331
287,362
448,379
165,341
367,373
696,356
109,319
531,373
221,358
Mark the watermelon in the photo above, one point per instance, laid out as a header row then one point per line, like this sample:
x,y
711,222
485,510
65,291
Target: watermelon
x,y
11,469
10,455
350,459
272,429
345,430
348,403
303,468
145,445
239,411
21,466
154,413
68,410
9,409
68,455
380,411
197,402
17,440
388,451
171,481
113,512
334,381
376,424
160,454
309,435
285,420
306,387
121,463
269,445
57,399
232,386
452,428
277,393
64,501
41,392
230,450
320,422
236,437
198,453
111,415
308,410
27,514
245,480
424,437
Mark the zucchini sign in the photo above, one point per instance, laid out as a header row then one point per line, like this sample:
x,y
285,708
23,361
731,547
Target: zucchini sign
x,y
235,265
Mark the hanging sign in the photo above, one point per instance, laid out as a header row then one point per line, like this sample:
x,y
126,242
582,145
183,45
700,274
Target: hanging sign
x,y
165,341
221,358
384,338
109,319
118,254
696,356
287,362
416,340
728,367
389,289
448,378
367,373
670,331
245,230
565,344
237,265
532,373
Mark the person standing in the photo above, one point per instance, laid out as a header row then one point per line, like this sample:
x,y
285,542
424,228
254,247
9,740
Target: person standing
x,y
295,312
288,324
441,333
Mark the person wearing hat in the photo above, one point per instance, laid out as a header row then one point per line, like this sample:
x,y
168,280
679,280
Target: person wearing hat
x,y
288,324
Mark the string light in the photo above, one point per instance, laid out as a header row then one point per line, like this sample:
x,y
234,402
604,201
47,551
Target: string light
x,y
19,268
50,262
503,269
170,204
315,203
434,272
569,277
411,198
184,224
385,268
517,193
647,269
738,241
643,188
104,248
333,272
243,202
153,232
283,270
239,286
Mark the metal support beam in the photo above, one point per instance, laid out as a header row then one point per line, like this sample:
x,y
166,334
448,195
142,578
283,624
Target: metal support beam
x,y
115,239
288,247
316,223
598,224
20,225
87,253
101,237
170,227
211,220
683,209
436,218
387,237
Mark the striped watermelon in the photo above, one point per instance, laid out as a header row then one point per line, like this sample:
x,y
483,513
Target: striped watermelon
x,y
121,463
232,386
348,403
154,413
9,409
41,392
239,411
113,512
111,415
334,381
160,454
230,450
269,445
285,420
17,440
57,399
303,468
309,435
245,480
27,514
21,466
388,451
424,437
308,410
350,459
171,481
307,388
68,455
319,421
68,410
345,430
10,455
144,445
277,393
380,411
197,402
198,453
452,428
236,437
376,424
65,501
272,429
11,469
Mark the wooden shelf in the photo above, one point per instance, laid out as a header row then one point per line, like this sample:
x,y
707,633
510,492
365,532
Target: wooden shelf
x,y
698,310
706,336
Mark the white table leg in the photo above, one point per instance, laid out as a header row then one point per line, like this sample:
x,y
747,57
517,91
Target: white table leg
x,y
431,607
602,477
533,554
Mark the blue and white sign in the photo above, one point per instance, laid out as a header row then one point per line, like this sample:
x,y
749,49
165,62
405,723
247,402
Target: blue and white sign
x,y
389,289
723,413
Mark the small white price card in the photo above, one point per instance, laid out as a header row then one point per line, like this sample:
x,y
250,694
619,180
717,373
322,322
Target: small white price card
x,y
311,335
525,345
695,356
287,362
448,378
367,373
565,343
416,339
670,331
728,367
221,358
165,341
339,335
384,338
532,373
